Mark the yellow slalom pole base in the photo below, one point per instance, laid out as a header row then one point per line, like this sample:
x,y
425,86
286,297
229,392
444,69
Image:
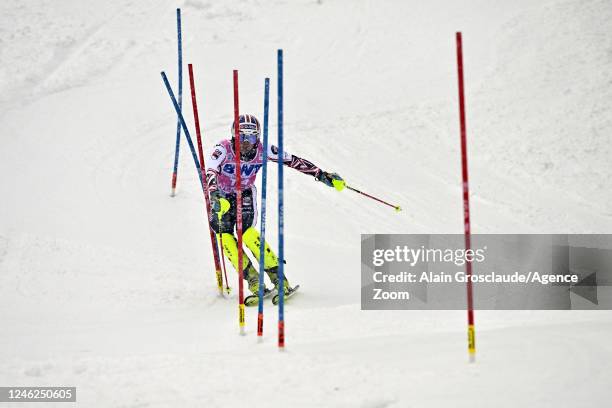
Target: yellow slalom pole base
x,y
241,319
472,343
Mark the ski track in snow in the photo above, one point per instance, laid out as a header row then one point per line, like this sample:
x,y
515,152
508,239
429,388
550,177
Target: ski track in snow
x,y
106,282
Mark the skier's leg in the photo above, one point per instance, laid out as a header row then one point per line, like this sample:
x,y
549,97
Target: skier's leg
x,y
230,249
250,235
249,215
225,233
252,240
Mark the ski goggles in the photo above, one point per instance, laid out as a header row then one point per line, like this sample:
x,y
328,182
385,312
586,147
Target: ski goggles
x,y
248,137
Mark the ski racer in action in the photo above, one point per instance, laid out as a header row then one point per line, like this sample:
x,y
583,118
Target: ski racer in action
x,y
221,180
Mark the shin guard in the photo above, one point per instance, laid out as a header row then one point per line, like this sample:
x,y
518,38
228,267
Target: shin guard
x,y
253,242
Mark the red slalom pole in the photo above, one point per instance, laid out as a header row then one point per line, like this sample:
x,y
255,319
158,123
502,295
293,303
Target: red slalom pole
x,y
238,172
213,241
466,201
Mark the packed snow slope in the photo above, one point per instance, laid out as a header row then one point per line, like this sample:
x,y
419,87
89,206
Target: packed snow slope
x,y
106,283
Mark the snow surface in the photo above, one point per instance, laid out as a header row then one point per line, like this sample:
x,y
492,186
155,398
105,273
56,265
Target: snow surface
x,y
106,282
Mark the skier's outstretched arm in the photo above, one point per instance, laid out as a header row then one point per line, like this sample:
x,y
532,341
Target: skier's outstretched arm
x,y
307,167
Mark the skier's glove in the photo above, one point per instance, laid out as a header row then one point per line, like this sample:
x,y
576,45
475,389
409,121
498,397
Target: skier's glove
x,y
332,180
218,203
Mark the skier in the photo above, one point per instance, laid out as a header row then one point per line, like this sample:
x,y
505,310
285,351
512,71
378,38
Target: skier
x,y
221,180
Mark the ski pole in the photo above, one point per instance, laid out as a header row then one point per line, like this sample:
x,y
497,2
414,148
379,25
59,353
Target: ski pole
x,y
397,207
225,205
227,286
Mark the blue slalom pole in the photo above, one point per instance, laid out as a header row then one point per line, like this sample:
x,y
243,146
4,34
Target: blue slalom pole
x,y
262,235
281,237
177,108
180,99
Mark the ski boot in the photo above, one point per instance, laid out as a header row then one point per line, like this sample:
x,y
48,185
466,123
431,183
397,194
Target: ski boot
x,y
287,290
252,278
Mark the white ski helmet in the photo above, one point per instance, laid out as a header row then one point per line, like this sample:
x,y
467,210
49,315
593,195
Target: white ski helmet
x,y
248,125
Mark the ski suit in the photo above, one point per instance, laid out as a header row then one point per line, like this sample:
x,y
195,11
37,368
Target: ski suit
x,y
221,177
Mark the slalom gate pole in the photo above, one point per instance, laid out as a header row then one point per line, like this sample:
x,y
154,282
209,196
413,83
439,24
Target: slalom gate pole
x,y
180,100
396,207
281,237
262,234
466,201
177,108
213,239
238,171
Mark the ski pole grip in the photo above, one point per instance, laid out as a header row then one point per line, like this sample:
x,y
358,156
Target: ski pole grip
x,y
225,206
338,184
